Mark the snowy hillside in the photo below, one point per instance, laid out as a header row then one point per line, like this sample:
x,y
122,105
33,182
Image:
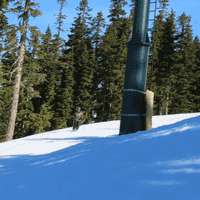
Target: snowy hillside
x,y
96,163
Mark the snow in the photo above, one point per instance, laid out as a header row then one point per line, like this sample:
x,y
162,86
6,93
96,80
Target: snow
x,y
95,163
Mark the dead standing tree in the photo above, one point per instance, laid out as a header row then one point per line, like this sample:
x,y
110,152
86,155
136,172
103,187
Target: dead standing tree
x,y
20,60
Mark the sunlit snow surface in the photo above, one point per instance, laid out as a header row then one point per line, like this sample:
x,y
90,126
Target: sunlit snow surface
x,y
95,163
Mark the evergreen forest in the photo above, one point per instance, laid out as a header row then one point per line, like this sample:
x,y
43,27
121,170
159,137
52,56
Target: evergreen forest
x,y
44,83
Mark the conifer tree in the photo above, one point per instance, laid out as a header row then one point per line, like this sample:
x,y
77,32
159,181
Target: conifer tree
x,y
153,83
60,24
21,53
64,107
60,16
4,92
195,83
84,67
7,77
132,11
25,125
184,67
47,55
113,61
28,116
96,25
167,58
64,92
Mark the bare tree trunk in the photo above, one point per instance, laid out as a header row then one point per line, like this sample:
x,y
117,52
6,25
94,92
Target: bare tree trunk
x,y
16,87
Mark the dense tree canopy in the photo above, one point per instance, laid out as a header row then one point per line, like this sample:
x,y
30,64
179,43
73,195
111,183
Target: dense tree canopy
x,y
59,76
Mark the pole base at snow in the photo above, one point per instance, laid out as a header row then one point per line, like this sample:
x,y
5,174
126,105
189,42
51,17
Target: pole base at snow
x,y
133,112
132,121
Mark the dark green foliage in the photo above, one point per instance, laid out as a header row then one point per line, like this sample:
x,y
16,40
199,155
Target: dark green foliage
x,y
174,67
167,56
5,101
152,78
5,93
47,55
184,69
7,76
195,78
112,64
64,106
97,23
83,62
59,76
9,59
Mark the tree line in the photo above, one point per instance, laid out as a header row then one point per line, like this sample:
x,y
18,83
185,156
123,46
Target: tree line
x,y
45,82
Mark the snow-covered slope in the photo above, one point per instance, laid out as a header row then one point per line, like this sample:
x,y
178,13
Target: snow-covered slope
x,y
96,163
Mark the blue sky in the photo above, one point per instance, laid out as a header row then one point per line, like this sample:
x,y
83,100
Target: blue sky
x,y
95,163
51,7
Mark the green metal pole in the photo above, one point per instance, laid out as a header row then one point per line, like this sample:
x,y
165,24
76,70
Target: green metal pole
x,y
133,107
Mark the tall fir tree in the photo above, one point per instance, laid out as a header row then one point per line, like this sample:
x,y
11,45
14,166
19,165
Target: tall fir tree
x,y
184,68
61,16
47,58
132,10
153,83
96,25
30,79
65,104
64,95
195,83
112,64
84,62
21,53
7,73
28,118
167,58
4,92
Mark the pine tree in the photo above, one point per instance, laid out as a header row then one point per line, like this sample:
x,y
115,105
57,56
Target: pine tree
x,y
60,16
132,11
57,119
167,98
5,95
167,57
4,92
7,77
113,62
153,81
28,115
64,108
21,53
96,25
47,55
195,83
64,102
83,62
184,68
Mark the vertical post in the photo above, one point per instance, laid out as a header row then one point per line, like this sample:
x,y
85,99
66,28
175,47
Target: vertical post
x,y
149,98
133,117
